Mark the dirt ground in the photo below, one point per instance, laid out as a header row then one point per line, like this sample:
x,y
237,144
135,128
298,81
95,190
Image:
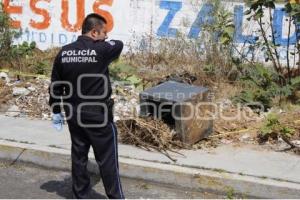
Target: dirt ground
x,y
232,124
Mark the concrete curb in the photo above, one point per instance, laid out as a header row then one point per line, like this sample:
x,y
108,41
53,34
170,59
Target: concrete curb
x,y
195,179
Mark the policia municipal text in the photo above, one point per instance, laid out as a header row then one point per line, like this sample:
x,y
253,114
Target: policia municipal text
x,y
80,77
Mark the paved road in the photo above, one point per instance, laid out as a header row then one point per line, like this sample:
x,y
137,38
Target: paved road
x,y
28,181
250,160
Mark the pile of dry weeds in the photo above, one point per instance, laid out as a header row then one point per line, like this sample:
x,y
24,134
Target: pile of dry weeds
x,y
149,134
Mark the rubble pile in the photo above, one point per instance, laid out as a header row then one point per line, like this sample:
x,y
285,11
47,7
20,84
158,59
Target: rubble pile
x,y
232,124
33,101
25,98
20,98
4,77
126,101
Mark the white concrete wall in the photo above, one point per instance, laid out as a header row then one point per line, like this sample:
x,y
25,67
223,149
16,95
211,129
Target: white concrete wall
x,y
130,18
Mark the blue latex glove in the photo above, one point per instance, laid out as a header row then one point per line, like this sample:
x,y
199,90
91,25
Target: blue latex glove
x,y
57,121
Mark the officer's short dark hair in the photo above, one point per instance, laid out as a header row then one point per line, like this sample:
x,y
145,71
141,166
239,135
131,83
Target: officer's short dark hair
x,y
91,21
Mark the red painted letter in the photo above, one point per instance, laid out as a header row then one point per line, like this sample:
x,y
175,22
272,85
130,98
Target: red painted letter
x,y
46,22
80,15
109,18
13,10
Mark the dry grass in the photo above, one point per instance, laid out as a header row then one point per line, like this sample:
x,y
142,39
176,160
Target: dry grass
x,y
37,62
5,94
211,64
173,54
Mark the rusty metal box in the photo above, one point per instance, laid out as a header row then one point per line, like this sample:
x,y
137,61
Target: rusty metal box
x,y
184,106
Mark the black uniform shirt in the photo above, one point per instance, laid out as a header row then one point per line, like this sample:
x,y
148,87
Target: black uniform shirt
x,y
83,64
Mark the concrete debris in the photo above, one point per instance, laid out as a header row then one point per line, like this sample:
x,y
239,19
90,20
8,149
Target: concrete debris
x,y
31,89
280,140
245,138
281,145
296,143
225,141
36,104
125,109
272,110
13,111
126,101
20,91
4,76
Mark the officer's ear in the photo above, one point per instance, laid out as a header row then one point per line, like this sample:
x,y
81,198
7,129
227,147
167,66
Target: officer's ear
x,y
94,33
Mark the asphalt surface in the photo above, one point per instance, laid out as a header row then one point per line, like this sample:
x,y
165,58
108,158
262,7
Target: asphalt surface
x,y
19,181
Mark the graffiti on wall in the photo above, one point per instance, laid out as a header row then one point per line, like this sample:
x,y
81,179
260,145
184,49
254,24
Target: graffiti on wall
x,y
57,22
204,16
65,12
38,30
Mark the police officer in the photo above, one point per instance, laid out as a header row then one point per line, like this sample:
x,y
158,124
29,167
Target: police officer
x,y
80,77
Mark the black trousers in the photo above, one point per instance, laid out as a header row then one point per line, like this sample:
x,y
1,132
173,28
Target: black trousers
x,y
104,143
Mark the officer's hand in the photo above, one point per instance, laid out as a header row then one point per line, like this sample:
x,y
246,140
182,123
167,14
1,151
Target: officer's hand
x,y
57,121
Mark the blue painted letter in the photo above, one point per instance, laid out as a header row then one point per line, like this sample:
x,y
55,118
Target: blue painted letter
x,y
204,17
164,30
238,21
278,24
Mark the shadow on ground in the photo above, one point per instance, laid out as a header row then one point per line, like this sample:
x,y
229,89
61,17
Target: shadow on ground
x,y
64,188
